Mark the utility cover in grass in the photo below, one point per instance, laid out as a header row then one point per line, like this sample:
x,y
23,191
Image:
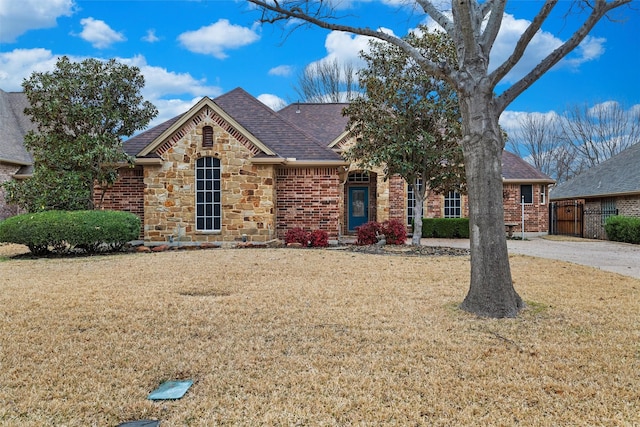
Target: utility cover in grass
x,y
170,390
140,423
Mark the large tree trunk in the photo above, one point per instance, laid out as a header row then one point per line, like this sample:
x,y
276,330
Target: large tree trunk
x,y
491,291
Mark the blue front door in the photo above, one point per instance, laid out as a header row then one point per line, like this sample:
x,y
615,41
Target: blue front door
x,y
358,207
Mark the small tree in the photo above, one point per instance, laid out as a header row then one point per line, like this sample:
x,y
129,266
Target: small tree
x,y
408,122
82,111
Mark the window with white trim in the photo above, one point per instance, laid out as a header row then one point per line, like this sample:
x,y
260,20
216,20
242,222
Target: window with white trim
x,y
452,205
208,194
543,194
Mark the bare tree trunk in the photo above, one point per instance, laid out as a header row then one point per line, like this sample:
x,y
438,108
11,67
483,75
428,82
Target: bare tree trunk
x,y
491,291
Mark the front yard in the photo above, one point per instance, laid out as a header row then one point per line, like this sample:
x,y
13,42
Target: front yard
x,y
311,337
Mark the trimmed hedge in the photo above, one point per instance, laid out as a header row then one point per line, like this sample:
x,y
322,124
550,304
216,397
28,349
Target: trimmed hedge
x,y
623,229
446,228
61,231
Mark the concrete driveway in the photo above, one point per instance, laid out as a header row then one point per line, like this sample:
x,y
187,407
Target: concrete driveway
x,y
616,257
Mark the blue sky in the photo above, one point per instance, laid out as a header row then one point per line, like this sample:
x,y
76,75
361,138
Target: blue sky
x,y
188,49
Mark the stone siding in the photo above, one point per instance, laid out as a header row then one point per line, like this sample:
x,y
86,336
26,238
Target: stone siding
x,y
247,189
308,198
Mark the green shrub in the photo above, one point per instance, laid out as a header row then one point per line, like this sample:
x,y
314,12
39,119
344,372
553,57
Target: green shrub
x,y
62,231
623,229
446,228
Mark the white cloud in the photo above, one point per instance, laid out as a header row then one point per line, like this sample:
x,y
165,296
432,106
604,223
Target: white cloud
x,y
345,48
214,39
99,34
18,64
163,88
540,46
272,101
511,121
281,70
151,37
170,108
20,16
161,83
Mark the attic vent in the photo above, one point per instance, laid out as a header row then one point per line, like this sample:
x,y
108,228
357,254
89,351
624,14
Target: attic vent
x,y
207,136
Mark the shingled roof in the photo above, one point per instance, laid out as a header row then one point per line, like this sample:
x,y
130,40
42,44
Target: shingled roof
x,y
282,137
515,169
14,125
279,134
617,176
325,122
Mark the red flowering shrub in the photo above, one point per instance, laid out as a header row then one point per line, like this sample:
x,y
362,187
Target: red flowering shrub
x,y
319,238
395,232
297,235
367,233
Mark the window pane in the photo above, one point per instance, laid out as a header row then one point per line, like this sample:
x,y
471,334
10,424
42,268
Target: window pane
x,y
526,193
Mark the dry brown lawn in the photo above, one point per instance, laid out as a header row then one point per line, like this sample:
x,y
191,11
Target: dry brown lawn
x,y
311,337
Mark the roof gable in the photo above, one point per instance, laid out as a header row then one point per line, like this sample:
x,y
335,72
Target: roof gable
x,y
617,175
263,131
159,139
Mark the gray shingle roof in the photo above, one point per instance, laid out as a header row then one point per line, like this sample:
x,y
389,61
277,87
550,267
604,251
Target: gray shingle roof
x,y
325,122
272,129
615,176
14,125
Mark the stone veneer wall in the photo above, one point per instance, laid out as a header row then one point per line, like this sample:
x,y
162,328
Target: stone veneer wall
x,y
126,194
536,215
6,173
628,205
247,189
308,198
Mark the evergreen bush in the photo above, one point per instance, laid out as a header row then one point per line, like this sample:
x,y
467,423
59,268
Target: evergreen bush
x,y
623,229
61,231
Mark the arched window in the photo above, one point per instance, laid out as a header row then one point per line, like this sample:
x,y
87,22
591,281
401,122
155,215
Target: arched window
x,y
207,136
208,194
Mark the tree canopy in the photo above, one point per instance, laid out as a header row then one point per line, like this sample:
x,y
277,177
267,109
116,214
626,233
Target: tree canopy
x,y
408,122
82,112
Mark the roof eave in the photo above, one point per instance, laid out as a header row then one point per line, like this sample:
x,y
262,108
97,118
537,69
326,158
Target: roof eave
x,y
595,196
528,181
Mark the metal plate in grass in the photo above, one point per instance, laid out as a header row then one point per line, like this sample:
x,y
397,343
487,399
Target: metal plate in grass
x,y
169,390
140,423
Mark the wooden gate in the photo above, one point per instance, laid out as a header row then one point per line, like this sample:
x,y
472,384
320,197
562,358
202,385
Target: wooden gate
x,y
566,218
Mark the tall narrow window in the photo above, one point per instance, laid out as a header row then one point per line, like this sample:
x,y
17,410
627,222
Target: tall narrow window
x,y
208,194
526,194
543,194
207,136
452,205
607,209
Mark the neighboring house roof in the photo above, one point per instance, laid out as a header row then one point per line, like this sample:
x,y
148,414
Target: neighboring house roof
x,y
616,176
14,125
515,169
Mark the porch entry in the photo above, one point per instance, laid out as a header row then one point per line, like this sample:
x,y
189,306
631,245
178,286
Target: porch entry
x,y
358,207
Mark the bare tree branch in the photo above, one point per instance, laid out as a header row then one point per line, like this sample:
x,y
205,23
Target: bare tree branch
x,y
600,9
523,42
496,10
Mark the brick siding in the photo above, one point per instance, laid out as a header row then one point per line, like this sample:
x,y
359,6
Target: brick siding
x,y
6,173
308,198
127,194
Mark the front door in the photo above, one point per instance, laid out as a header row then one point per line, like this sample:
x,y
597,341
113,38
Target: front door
x,y
358,207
